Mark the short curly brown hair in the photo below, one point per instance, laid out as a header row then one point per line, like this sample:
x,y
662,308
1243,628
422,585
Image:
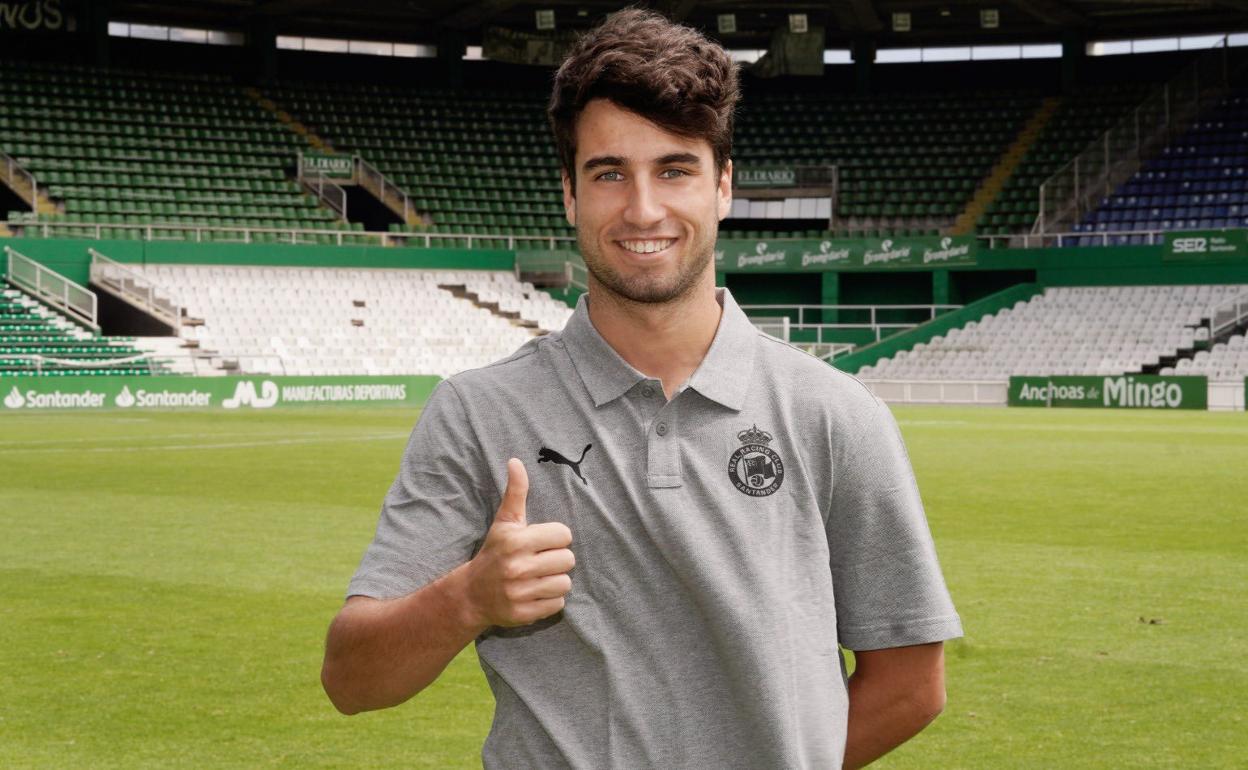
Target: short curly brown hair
x,y
667,73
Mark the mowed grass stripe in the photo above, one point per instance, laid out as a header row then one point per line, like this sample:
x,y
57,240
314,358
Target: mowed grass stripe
x,y
205,446
167,609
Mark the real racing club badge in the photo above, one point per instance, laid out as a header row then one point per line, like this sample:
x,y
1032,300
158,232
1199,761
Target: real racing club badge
x,y
755,468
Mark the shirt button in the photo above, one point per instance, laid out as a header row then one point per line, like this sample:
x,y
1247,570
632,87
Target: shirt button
x,y
647,391
661,429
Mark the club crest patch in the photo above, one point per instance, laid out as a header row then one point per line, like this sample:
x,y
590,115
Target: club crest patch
x,y
755,469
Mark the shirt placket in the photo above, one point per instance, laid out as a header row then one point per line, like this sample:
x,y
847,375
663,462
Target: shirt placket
x,y
662,446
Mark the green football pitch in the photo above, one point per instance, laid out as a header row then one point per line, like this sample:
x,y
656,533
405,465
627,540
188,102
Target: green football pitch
x,y
167,580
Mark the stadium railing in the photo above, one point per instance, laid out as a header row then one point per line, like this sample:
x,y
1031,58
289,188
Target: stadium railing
x,y
432,238
385,190
144,363
20,181
53,288
294,235
330,193
1099,238
134,287
780,317
1228,315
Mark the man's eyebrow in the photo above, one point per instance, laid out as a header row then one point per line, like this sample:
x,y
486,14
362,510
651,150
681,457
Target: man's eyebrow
x,y
686,158
603,160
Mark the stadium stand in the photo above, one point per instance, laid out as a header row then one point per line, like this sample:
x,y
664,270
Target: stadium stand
x,y
1199,181
268,320
1224,361
124,147
35,341
1073,331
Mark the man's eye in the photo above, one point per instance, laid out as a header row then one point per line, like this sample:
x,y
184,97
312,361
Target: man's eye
x,y
610,176
674,173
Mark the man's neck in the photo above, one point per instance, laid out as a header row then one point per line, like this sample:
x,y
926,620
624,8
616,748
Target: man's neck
x,y
667,340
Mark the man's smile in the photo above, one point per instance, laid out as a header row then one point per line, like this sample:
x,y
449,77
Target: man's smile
x,y
647,246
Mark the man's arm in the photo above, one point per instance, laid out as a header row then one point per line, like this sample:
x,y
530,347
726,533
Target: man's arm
x,y
893,694
381,652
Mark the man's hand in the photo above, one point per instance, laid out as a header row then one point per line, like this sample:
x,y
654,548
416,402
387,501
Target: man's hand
x,y
520,575
382,652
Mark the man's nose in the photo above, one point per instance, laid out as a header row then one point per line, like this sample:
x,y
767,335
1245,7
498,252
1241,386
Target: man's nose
x,y
644,209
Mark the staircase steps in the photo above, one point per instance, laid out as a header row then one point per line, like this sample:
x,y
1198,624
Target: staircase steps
x,y
1005,167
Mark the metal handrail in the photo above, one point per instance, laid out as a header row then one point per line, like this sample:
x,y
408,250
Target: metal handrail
x,y
13,171
96,229
1236,311
320,185
54,289
134,287
390,194
874,323
577,275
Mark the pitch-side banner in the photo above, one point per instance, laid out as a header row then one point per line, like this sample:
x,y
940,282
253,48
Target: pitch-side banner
x,y
229,393
788,256
1130,391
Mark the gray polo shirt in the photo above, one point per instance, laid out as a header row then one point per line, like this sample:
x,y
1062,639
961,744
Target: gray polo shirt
x,y
726,542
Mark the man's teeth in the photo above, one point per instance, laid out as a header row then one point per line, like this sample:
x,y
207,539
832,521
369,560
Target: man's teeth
x,y
647,247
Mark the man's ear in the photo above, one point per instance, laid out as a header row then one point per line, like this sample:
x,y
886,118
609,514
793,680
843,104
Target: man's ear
x,y
725,191
569,200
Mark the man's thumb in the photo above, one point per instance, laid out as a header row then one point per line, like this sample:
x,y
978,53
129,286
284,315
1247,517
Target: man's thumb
x,y
512,508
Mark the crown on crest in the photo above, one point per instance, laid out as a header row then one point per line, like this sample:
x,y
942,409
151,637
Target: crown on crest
x,y
754,436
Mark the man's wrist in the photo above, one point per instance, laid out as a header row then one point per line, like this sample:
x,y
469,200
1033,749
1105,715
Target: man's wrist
x,y
457,595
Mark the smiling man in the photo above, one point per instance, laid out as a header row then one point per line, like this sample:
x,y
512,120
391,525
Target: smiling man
x,y
737,513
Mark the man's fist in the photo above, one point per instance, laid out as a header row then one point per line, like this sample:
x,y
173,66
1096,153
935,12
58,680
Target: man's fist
x,y
520,575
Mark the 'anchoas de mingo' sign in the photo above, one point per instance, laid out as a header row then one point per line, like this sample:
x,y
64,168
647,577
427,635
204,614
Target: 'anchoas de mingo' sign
x,y
1125,391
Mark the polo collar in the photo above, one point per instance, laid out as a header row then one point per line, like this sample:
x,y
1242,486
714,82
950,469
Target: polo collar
x,y
723,376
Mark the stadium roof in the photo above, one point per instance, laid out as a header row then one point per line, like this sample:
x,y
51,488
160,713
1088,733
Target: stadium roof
x,y
844,21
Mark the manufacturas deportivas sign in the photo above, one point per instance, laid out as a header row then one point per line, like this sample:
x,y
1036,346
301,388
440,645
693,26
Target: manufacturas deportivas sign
x,y
229,393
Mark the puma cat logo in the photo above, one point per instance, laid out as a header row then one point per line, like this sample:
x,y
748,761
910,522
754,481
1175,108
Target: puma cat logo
x,y
545,455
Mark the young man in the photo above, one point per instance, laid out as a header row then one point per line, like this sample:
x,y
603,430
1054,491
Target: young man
x,y
694,516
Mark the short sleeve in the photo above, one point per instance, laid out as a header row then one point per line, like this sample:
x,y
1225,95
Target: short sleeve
x,y
433,518
887,581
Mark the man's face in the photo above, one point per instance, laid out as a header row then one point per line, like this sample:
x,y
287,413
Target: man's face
x,y
647,204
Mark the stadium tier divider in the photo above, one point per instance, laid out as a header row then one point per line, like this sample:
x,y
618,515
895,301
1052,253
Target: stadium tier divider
x,y
1081,330
366,321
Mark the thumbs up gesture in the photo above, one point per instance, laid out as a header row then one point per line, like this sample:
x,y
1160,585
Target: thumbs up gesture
x,y
520,575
